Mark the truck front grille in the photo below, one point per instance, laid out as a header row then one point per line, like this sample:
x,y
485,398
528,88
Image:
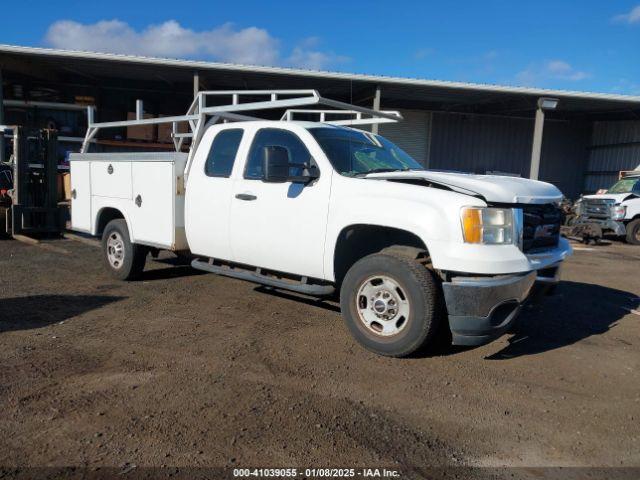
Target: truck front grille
x,y
597,207
541,227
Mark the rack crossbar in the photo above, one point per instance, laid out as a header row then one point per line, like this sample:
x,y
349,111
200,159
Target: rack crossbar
x,y
356,118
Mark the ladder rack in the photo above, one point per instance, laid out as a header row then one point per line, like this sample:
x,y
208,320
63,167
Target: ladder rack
x,y
356,117
197,116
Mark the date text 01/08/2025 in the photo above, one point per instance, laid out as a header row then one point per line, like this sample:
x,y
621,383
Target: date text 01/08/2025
x,y
315,473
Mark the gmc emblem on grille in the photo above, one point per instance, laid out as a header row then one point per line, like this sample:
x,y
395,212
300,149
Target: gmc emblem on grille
x,y
543,231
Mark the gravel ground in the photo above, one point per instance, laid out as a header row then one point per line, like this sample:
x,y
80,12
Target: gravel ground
x,y
184,369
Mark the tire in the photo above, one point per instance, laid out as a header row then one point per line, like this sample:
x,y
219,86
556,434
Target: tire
x,y
397,331
633,232
123,259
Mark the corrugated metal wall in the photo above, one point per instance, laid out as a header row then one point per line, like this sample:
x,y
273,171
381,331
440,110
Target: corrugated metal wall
x,y
480,143
484,143
564,155
412,135
615,146
576,157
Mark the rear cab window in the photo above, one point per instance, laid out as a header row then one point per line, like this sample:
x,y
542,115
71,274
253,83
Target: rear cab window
x,y
223,152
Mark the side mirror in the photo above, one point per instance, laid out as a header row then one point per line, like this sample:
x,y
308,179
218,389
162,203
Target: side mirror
x,y
310,173
275,164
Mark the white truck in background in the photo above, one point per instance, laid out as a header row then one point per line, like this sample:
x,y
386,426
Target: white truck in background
x,y
323,208
617,210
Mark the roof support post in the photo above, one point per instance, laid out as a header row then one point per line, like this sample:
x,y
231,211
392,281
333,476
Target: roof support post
x,y
139,110
536,148
196,83
1,117
376,106
544,103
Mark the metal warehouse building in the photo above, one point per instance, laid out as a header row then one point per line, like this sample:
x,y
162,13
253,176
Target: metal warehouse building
x,y
581,145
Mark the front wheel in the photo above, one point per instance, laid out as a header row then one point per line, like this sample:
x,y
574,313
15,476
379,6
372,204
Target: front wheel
x,y
390,304
633,232
123,259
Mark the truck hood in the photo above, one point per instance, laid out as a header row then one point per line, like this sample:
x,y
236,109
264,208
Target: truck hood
x,y
617,197
492,188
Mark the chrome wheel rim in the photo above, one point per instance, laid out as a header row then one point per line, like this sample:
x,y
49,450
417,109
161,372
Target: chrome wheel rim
x,y
382,305
115,250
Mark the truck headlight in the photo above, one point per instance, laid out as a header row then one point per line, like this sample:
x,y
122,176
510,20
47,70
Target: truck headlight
x,y
618,212
488,225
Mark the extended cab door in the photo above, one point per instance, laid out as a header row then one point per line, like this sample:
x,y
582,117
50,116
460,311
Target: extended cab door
x,y
209,192
279,226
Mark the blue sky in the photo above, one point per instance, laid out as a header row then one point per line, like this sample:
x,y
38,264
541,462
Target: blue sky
x,y
591,45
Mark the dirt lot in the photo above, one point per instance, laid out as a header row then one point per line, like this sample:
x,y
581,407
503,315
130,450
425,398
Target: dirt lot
x,y
186,369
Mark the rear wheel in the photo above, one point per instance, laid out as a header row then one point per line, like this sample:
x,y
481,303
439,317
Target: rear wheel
x,y
390,304
123,259
633,232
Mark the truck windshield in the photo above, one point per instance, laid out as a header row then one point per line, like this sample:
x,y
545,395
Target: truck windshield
x,y
353,153
626,185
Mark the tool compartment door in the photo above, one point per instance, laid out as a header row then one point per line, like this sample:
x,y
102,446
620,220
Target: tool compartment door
x,y
152,212
111,179
81,196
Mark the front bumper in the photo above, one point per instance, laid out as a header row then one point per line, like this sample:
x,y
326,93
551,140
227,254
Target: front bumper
x,y
481,259
483,308
605,224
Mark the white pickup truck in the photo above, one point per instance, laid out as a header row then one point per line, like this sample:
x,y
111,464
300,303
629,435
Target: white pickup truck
x,y
322,208
617,210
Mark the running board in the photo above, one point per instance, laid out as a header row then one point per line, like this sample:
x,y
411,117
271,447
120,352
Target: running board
x,y
300,287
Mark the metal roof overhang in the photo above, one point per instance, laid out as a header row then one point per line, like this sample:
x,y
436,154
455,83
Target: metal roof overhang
x,y
104,70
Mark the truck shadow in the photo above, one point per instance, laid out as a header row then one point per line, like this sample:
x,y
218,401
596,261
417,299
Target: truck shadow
x,y
37,311
168,273
575,312
326,304
177,267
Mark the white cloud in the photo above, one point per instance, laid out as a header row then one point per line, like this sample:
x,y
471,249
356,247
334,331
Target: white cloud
x,y
633,16
307,55
226,43
423,53
490,55
626,87
537,74
561,69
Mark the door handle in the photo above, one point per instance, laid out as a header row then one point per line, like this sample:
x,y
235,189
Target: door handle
x,y
246,196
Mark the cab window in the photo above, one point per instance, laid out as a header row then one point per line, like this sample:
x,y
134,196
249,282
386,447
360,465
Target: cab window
x,y
626,185
223,153
299,156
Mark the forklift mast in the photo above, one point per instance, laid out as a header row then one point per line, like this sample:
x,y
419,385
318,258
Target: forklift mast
x,y
34,208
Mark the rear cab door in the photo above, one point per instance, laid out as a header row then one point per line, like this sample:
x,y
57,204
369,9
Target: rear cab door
x,y
210,189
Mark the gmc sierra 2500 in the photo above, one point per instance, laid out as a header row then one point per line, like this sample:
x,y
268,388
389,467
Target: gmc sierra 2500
x,y
323,208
